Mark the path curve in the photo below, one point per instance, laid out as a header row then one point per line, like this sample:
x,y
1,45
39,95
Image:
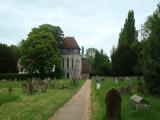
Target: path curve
x,y
78,108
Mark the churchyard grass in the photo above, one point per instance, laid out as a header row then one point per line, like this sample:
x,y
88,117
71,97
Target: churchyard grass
x,y
98,102
39,106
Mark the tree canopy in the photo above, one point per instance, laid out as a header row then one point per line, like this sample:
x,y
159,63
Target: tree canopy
x,y
125,56
40,51
99,61
151,52
8,58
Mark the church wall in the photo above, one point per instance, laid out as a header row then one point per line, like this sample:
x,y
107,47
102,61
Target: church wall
x,y
75,69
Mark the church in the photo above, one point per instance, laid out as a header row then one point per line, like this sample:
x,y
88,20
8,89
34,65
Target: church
x,y
72,62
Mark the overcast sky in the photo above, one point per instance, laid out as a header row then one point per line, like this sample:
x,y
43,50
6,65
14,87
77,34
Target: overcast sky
x,y
93,23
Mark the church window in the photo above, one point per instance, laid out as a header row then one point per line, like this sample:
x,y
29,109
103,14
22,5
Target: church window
x,y
67,62
72,62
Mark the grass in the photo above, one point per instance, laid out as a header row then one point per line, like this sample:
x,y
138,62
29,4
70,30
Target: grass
x,y
4,98
39,106
98,103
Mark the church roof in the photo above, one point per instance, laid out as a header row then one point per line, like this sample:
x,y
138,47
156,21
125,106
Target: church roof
x,y
70,43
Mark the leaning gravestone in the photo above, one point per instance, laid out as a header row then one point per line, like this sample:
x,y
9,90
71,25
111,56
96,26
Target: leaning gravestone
x,y
113,105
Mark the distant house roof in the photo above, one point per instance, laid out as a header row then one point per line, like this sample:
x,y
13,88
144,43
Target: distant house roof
x,y
85,67
70,43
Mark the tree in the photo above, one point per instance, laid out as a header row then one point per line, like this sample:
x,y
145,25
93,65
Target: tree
x,y
8,58
151,52
125,56
101,65
82,53
90,55
128,34
123,61
40,51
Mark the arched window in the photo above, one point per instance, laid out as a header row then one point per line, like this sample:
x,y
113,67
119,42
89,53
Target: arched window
x,y
67,62
72,63
63,63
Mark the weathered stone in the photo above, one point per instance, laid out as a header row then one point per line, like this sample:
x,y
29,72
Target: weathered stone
x,y
113,105
98,86
138,102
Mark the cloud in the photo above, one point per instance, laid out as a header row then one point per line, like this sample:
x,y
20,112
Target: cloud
x,y
93,23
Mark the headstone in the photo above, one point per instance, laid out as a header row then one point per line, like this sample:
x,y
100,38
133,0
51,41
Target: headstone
x,y
98,86
116,81
138,102
113,105
43,86
24,87
10,90
140,89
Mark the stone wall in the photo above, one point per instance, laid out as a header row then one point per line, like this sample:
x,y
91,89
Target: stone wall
x,y
73,69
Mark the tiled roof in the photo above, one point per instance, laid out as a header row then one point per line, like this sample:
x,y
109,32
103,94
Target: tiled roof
x,y
70,43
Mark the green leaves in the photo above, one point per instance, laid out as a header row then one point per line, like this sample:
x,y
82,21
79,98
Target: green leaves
x,y
40,50
125,56
151,52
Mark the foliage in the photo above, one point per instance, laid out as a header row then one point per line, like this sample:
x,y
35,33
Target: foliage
x,y
101,65
123,61
125,56
41,49
8,58
90,55
99,62
151,52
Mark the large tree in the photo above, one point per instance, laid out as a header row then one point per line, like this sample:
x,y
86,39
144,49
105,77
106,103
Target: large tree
x,y
8,58
151,52
128,34
125,56
40,51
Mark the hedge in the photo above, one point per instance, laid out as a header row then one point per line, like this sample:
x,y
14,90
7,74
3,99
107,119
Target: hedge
x,y
11,76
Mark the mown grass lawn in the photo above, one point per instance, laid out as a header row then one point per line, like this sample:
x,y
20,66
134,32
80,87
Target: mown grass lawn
x,y
98,103
39,106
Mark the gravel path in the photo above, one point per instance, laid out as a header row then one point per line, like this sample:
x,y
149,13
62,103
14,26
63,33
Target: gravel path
x,y
78,108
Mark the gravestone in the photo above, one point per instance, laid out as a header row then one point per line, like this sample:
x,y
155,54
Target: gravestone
x,y
125,90
113,105
43,86
24,87
10,90
98,86
137,102
140,89
116,81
